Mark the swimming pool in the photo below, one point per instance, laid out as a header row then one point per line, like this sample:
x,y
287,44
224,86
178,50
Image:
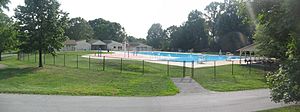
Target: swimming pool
x,y
188,57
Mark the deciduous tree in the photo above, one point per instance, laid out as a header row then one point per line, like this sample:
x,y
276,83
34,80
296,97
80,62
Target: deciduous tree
x,y
155,36
8,33
79,29
3,4
106,30
41,26
192,34
278,36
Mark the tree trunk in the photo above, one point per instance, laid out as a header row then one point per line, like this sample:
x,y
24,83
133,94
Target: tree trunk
x,y
40,58
0,56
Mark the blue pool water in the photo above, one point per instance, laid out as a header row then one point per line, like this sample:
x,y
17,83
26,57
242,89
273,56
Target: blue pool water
x,y
180,57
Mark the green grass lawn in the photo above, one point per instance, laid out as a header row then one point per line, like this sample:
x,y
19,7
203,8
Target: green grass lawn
x,y
241,79
294,108
23,77
62,76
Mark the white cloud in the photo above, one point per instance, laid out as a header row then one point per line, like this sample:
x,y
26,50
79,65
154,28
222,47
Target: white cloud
x,y
136,16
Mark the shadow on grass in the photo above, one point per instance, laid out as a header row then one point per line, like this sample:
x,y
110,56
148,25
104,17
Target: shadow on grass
x,y
15,72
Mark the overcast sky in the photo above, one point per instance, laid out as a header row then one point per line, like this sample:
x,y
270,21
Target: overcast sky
x,y
136,16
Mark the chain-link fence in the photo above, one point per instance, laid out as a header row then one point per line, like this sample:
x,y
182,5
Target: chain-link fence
x,y
210,70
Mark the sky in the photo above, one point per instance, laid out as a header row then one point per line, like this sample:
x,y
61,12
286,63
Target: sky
x,y
136,16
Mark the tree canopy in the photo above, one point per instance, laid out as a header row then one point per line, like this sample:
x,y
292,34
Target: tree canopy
x,y
192,35
227,27
7,31
223,26
134,39
106,30
79,29
41,26
155,36
278,36
3,4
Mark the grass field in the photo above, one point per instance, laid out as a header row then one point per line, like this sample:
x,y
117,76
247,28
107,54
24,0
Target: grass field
x,y
63,77
294,108
22,77
224,80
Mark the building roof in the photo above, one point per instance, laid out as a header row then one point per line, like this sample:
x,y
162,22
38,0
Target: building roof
x,y
96,42
251,48
70,42
82,41
111,41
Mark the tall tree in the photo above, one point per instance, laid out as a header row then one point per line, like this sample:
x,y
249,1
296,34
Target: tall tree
x,y
213,12
7,31
155,36
176,38
278,36
134,39
192,34
79,29
42,26
196,31
169,33
233,33
106,30
131,39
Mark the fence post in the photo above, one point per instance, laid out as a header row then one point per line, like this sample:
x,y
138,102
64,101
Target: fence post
x,y
64,59
28,57
265,69
250,68
77,61
215,72
18,56
183,69
53,59
103,63
232,68
44,58
192,69
121,68
168,68
23,57
35,57
250,64
143,67
89,62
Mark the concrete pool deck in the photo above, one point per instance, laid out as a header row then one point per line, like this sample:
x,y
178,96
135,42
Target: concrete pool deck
x,y
160,59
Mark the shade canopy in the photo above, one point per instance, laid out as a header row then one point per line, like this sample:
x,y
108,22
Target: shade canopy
x,y
249,48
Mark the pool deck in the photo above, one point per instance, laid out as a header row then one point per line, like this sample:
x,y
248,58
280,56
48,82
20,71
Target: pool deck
x,y
158,59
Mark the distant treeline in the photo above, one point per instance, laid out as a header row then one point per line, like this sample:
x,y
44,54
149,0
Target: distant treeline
x,y
223,25
101,29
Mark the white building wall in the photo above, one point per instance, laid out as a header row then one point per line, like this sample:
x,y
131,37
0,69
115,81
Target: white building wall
x,y
115,46
68,48
83,45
